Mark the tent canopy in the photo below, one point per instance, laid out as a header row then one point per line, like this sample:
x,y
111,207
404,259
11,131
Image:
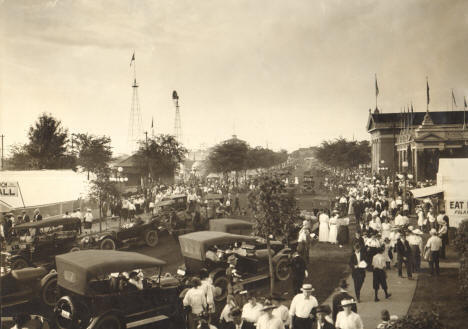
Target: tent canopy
x,y
423,192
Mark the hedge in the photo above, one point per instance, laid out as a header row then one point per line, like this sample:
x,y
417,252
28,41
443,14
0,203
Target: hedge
x,y
461,244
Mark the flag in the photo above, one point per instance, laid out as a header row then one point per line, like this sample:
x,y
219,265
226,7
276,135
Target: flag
x,y
464,98
152,123
427,89
453,98
376,86
133,59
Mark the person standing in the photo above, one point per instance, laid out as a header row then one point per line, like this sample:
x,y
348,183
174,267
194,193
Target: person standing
x,y
237,321
25,217
281,311
303,241
343,231
443,234
88,219
347,319
195,299
338,297
324,219
433,246
416,244
379,276
323,311
333,233
404,255
267,320
302,307
251,311
358,269
299,272
37,215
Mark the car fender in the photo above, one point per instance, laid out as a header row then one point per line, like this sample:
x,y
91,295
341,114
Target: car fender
x,y
51,274
20,255
115,312
105,236
285,252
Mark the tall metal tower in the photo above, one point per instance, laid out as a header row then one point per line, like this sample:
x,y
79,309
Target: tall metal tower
x,y
135,130
177,122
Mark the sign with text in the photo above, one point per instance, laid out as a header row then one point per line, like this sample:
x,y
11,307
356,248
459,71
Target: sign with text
x,y
9,189
457,207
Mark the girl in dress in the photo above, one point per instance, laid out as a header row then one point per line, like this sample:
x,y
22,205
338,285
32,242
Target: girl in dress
x,y
324,220
332,235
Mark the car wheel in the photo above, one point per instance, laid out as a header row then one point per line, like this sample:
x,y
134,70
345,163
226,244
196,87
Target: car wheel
x,y
222,283
19,263
65,313
108,244
49,292
151,238
75,249
282,269
110,321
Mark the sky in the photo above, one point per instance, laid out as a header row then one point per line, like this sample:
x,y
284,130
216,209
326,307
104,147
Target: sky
x,y
282,74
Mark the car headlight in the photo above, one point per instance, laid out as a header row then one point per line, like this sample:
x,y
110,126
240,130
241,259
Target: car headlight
x,y
180,272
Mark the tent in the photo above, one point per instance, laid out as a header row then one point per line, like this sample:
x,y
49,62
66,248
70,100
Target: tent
x,y
423,192
36,188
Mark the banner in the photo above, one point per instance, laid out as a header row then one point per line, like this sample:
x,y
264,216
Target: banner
x,y
9,189
456,210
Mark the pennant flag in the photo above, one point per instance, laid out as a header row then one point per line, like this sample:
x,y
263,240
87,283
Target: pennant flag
x,y
464,98
133,59
152,123
412,107
376,86
427,88
453,98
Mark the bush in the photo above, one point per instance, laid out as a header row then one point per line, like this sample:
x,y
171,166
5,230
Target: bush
x,y
423,320
461,237
461,244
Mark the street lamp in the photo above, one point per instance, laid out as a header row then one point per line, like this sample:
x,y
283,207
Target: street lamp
x,y
405,176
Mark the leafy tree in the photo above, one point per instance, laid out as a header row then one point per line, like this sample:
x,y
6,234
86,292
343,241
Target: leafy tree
x,y
230,155
260,157
20,158
48,144
159,156
341,153
94,152
274,211
101,189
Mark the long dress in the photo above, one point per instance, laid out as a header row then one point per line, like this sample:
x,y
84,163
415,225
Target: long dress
x,y
386,227
343,231
333,230
323,227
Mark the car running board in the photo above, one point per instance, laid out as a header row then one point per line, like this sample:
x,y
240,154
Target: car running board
x,y
147,321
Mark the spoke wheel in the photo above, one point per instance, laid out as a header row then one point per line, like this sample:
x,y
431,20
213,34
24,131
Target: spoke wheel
x,y
49,293
282,269
151,238
108,244
222,283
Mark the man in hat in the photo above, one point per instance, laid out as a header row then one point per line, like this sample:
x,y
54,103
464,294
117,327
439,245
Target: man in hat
x,y
37,215
433,245
231,273
379,276
302,308
281,311
404,255
299,272
358,269
322,322
267,320
416,244
338,297
237,320
251,311
347,319
303,241
25,217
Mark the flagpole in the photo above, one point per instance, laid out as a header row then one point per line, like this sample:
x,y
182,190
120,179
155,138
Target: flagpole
x,y
464,113
427,91
452,100
376,90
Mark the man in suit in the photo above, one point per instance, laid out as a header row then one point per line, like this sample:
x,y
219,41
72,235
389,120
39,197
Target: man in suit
x,y
338,297
299,272
322,320
358,273
404,255
237,321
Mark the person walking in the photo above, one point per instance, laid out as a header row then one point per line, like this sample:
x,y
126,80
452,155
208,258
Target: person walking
x,y
322,322
347,319
237,321
251,311
416,244
195,300
88,220
379,276
302,307
358,269
298,271
338,297
404,255
433,246
267,320
281,311
303,241
324,220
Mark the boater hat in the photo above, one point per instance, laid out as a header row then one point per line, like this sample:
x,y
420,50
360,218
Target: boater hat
x,y
307,287
268,306
417,231
347,302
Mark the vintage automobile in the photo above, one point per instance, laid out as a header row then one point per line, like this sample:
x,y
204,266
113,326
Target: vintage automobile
x,y
231,225
96,293
210,250
137,232
37,243
29,284
179,201
211,201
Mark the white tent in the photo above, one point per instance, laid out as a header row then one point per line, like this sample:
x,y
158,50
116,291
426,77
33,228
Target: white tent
x,y
35,188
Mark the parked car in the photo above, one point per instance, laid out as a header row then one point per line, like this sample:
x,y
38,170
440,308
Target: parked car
x,y
179,201
37,243
97,295
136,232
231,225
27,284
210,250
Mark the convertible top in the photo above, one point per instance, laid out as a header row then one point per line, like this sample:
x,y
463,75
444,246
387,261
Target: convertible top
x,y
165,203
75,269
231,225
49,222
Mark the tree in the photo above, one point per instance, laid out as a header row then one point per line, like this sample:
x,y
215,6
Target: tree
x,y
341,153
159,156
48,144
94,152
274,211
101,189
230,155
20,158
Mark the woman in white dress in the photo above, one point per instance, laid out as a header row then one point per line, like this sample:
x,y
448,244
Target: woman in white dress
x,y
324,219
386,227
333,228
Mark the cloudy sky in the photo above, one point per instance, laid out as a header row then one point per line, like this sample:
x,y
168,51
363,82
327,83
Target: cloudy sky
x,y
287,73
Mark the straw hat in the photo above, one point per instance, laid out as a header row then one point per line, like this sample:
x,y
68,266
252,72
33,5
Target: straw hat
x,y
268,306
433,231
418,231
307,287
347,302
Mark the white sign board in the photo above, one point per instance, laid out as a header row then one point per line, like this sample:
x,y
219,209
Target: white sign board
x,y
456,210
9,189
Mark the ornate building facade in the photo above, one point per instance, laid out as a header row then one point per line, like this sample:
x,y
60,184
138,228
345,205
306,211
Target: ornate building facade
x,y
417,139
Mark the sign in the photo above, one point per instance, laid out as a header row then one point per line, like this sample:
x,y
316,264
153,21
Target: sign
x,y
9,189
457,207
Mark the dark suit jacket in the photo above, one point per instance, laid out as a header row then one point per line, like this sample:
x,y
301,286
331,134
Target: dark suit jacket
x,y
403,249
353,259
327,325
231,325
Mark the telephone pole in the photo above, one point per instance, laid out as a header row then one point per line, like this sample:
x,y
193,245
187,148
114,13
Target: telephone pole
x,y
2,136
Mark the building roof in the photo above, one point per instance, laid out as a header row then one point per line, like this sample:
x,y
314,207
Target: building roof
x,y
438,118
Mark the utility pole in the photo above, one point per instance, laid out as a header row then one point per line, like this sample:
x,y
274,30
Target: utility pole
x,y
146,139
2,136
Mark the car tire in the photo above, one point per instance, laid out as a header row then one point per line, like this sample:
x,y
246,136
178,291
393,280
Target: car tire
x,y
151,238
65,304
107,244
19,263
282,269
49,292
222,282
109,321
75,249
